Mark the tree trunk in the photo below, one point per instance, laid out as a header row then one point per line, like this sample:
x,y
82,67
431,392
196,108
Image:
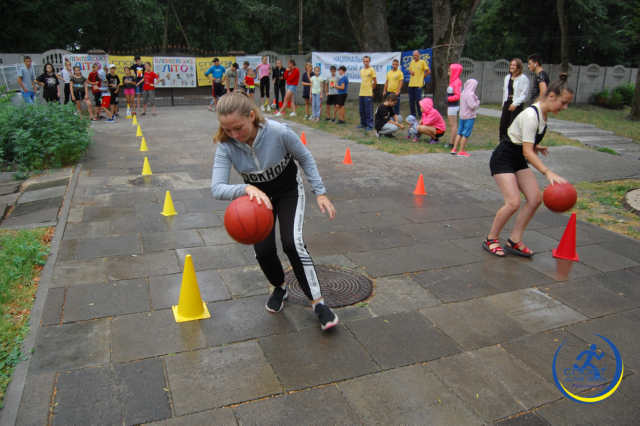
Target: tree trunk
x,y
451,22
635,106
563,21
369,22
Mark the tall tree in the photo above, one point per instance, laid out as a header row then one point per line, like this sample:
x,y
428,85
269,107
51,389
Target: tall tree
x,y
369,21
563,21
451,22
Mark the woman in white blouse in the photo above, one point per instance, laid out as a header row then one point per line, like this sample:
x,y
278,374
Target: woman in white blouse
x,y
514,94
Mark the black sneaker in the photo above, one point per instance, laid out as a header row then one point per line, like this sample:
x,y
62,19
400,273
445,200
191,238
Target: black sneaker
x,y
276,300
327,317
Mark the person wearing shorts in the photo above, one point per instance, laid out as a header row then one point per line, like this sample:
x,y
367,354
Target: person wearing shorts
x,y
149,87
105,97
129,84
215,74
263,70
138,73
94,82
114,88
79,89
341,97
332,93
509,167
292,78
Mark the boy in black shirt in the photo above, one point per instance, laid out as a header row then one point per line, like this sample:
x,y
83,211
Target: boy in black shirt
x,y
387,122
49,80
541,81
114,88
138,71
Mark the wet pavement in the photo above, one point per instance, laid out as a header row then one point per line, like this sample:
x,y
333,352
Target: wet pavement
x,y
451,334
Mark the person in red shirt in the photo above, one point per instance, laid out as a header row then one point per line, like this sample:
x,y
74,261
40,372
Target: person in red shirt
x,y
94,83
149,89
250,83
292,77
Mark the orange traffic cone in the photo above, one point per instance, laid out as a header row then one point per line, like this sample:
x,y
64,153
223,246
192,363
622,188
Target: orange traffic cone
x,y
420,186
280,105
347,157
567,247
303,138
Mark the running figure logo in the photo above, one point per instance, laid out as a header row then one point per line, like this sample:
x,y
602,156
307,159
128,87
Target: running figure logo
x,y
585,374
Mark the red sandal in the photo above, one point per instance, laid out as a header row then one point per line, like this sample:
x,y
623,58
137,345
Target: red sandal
x,y
496,251
519,249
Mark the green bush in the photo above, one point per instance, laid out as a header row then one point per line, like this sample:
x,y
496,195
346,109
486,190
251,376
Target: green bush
x,y
606,99
35,137
626,91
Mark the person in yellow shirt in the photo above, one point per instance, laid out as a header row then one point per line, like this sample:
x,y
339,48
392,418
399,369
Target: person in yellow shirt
x,y
395,80
419,70
367,83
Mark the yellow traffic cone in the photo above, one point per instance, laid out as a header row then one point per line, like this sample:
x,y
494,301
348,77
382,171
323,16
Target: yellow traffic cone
x,y
143,145
168,209
128,111
190,306
146,168
139,131
134,122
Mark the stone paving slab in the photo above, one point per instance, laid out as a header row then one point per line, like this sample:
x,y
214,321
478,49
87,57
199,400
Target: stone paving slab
x,y
310,358
558,269
215,236
401,339
44,217
70,346
219,416
526,419
123,394
165,289
414,258
475,323
214,257
52,311
150,334
591,297
538,350
623,283
493,383
408,395
85,302
36,398
243,319
103,247
325,405
99,229
245,281
621,329
479,279
158,241
604,260
48,179
215,377
32,201
399,294
534,310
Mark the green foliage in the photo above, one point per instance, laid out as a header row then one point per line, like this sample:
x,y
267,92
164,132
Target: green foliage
x,y
20,252
614,99
626,92
36,137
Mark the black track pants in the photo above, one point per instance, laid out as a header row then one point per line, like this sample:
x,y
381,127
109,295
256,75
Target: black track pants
x,y
288,208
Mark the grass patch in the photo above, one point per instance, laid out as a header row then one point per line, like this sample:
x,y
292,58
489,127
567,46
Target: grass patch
x,y
607,150
22,256
601,203
484,136
615,120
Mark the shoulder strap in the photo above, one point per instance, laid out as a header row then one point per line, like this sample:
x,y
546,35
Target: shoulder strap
x,y
538,117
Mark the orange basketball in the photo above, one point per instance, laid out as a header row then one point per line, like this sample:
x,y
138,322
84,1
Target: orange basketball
x,y
560,197
248,222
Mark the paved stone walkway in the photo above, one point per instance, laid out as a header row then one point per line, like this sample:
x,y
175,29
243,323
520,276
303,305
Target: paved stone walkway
x,y
587,134
451,335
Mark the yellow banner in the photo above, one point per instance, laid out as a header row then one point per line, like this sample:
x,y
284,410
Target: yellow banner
x,y
203,64
124,62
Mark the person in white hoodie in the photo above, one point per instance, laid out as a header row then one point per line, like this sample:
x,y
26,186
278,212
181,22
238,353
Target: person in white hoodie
x,y
514,94
469,104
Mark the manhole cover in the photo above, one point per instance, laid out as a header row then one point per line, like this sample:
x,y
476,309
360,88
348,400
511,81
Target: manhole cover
x,y
340,287
632,200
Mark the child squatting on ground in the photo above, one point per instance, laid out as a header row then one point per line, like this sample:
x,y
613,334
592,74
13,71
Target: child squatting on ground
x,y
469,104
266,154
431,124
386,121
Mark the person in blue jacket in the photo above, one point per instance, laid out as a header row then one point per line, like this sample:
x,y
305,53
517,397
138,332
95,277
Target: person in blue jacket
x,y
265,153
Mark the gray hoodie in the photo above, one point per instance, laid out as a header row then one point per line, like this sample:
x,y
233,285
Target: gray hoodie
x,y
267,164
